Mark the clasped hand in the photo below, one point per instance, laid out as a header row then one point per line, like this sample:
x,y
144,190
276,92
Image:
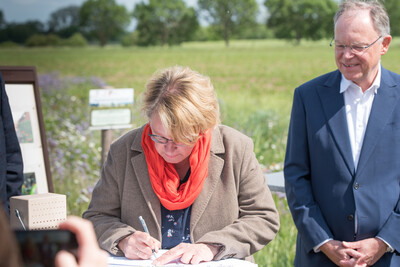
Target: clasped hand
x,y
354,254
139,246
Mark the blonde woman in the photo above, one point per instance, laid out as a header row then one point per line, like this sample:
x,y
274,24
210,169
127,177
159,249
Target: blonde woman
x,y
196,183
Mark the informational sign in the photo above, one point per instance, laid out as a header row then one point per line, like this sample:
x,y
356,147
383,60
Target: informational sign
x,y
111,108
24,98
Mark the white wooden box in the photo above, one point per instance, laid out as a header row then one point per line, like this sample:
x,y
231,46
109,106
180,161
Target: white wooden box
x,y
39,211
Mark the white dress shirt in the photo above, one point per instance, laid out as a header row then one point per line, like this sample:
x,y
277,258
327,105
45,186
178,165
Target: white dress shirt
x,y
358,107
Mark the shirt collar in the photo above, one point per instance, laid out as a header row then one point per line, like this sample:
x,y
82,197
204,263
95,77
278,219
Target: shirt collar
x,y
345,84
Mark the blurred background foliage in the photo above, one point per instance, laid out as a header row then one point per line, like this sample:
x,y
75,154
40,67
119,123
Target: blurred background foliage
x,y
158,22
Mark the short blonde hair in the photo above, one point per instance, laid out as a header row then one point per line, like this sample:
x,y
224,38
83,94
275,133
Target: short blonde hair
x,y
185,100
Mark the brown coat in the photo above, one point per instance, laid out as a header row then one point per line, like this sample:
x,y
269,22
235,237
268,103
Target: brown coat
x,y
234,209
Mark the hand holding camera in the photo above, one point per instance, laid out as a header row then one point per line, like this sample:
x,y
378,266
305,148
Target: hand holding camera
x,y
73,244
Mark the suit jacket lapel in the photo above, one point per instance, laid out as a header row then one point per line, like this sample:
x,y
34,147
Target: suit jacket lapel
x,y
214,173
384,103
335,114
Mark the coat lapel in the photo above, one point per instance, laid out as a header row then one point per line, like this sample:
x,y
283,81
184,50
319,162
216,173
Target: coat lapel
x,y
215,167
335,114
145,185
384,103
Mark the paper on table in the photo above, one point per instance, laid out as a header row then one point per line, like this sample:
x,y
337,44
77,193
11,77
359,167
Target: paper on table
x,y
114,261
122,261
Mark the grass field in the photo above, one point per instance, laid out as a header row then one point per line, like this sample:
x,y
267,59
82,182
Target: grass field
x,y
254,81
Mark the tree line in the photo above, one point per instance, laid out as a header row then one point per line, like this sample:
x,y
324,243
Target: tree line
x,y
172,22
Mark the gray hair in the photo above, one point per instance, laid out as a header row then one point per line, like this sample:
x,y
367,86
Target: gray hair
x,y
379,16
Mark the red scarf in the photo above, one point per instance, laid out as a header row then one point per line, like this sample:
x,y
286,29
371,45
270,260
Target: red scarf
x,y
164,178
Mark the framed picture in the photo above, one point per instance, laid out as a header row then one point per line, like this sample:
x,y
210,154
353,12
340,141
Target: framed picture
x,y
23,94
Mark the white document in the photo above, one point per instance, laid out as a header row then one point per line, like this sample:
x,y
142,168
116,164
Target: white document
x,y
114,261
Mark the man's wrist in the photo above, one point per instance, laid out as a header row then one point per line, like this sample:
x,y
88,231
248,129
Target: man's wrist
x,y
317,248
389,248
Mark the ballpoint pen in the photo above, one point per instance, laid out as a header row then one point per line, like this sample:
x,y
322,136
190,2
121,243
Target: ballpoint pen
x,y
147,231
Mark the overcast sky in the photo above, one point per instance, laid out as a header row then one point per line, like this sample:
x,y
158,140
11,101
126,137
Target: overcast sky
x,y
24,10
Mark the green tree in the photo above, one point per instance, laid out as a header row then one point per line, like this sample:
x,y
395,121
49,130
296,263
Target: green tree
x,y
164,22
65,21
103,19
393,9
76,40
43,40
2,20
297,19
20,32
229,16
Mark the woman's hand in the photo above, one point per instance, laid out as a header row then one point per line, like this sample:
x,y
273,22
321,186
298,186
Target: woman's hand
x,y
188,254
139,246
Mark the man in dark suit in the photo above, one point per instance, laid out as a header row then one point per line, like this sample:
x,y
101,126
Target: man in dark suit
x,y
11,168
342,174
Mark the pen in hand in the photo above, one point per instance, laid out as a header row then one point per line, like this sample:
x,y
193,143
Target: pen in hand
x,y
147,231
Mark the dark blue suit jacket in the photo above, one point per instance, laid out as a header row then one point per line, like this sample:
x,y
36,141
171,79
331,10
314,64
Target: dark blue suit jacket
x,y
323,189
11,176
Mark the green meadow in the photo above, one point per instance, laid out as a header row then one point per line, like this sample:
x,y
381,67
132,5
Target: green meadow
x,y
254,81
